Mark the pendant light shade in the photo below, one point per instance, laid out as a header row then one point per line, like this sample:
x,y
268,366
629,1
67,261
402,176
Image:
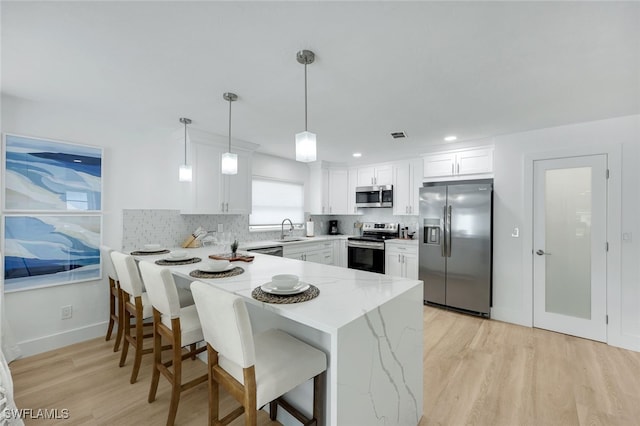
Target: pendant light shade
x,y
305,141
185,173
229,164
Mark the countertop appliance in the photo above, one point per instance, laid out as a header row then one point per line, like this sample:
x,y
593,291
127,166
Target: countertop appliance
x,y
333,227
374,196
366,252
272,250
455,250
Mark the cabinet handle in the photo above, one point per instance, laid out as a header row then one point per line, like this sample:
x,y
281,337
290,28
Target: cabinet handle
x,y
458,168
222,207
452,170
399,259
403,258
227,207
330,209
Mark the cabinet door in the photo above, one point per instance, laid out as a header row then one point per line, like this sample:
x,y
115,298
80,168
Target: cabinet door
x,y
342,258
366,176
416,184
475,161
439,165
352,184
401,189
410,266
384,175
315,256
392,265
338,192
206,193
237,188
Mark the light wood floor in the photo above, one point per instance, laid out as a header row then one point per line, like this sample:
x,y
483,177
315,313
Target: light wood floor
x,y
475,372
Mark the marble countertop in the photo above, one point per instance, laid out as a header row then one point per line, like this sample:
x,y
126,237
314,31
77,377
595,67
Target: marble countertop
x,y
345,294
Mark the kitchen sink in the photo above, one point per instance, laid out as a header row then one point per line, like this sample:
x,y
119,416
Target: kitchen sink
x,y
289,240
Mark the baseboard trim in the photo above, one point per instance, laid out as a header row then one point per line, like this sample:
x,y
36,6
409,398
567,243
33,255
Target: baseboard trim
x,y
511,316
59,340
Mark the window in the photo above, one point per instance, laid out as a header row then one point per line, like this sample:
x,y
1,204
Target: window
x,y
273,201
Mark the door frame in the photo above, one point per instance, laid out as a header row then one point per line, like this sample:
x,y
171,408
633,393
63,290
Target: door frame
x,y
613,224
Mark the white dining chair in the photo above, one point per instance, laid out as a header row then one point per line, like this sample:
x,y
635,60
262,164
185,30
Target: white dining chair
x,y
116,312
179,326
255,369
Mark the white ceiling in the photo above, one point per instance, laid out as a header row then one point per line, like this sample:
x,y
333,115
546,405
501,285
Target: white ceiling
x,y
473,69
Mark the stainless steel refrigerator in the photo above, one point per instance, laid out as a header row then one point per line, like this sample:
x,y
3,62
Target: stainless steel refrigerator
x,y
456,245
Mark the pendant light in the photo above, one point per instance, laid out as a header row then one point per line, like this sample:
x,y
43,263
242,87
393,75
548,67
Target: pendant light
x,y
185,173
305,141
229,161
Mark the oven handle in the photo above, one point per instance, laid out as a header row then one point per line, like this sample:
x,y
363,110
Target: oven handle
x,y
366,244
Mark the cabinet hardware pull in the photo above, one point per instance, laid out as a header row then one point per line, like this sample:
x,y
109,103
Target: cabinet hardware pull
x,y
458,168
399,259
452,171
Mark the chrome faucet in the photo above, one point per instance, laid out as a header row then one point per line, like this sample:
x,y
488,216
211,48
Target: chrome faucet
x,y
282,228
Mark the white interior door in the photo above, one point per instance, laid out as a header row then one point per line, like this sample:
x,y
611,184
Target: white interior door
x,y
569,245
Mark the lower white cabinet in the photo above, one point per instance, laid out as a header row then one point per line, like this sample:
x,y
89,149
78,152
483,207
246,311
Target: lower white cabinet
x,y
340,253
401,258
318,252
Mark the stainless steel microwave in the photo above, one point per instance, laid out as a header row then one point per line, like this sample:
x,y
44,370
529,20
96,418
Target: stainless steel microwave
x,y
374,196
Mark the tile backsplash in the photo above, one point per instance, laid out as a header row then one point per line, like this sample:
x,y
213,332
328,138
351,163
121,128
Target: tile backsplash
x,y
169,228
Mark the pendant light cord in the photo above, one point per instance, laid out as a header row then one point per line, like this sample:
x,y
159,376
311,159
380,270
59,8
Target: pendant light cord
x,y
185,142
305,97
229,125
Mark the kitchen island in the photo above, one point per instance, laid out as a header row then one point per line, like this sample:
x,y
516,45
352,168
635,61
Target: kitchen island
x,y
369,325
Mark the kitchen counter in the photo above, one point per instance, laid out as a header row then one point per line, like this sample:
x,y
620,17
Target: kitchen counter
x,y
303,240
370,326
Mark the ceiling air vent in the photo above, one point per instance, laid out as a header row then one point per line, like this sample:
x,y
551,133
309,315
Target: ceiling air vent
x,y
398,135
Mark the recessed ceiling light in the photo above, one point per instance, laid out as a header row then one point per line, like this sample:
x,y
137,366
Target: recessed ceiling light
x,y
450,138
357,154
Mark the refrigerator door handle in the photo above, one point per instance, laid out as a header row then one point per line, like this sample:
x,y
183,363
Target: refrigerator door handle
x,y
443,240
448,232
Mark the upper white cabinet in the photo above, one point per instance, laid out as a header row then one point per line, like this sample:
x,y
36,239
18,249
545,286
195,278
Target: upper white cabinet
x,y
407,180
211,192
465,162
329,192
375,175
352,184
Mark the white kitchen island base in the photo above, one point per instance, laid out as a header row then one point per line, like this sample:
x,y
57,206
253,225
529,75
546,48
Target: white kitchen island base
x,y
369,325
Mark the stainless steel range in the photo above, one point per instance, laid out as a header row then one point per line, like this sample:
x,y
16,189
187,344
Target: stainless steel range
x,y
367,252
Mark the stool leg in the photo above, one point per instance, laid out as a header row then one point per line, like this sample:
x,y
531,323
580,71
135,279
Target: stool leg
x,y
273,410
139,342
319,383
157,356
112,308
214,396
126,337
175,385
192,349
121,323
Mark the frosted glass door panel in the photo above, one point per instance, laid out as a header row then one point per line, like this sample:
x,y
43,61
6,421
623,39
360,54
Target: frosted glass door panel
x,y
568,241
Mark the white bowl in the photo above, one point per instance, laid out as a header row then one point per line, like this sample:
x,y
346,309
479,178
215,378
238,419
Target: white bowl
x,y
215,265
177,254
152,246
284,281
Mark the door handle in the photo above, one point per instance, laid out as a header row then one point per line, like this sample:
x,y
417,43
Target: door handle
x,y
542,253
443,240
448,232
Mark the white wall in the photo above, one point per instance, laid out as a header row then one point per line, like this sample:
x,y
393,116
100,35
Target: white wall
x,y
512,256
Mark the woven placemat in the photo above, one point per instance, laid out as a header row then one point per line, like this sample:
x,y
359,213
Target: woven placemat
x,y
263,296
164,262
149,253
196,273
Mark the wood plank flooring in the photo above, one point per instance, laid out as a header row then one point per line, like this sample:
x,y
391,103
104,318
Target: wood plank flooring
x,y
476,372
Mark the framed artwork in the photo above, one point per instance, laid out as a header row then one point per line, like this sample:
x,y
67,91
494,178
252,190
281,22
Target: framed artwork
x,y
45,250
43,175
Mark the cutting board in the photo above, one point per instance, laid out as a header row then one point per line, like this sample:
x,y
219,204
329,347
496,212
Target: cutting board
x,y
231,258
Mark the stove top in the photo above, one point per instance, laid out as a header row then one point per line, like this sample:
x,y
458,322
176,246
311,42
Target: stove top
x,y
377,232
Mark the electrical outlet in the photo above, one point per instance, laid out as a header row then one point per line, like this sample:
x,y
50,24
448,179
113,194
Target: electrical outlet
x,y
66,312
220,227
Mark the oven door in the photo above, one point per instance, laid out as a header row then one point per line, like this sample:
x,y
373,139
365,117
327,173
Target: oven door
x,y
366,256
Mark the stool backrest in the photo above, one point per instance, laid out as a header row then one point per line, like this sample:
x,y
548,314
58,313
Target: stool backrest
x,y
161,289
107,263
128,274
225,323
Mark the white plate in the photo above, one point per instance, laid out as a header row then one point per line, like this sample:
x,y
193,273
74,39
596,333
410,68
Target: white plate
x,y
178,259
144,250
205,268
272,289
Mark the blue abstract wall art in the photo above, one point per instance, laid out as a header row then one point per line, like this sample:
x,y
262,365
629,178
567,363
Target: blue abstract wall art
x,y
45,175
46,250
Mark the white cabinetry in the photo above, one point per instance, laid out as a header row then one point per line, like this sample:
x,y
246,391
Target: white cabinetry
x,y
211,192
318,252
456,163
340,252
401,258
329,190
407,180
375,175
352,184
